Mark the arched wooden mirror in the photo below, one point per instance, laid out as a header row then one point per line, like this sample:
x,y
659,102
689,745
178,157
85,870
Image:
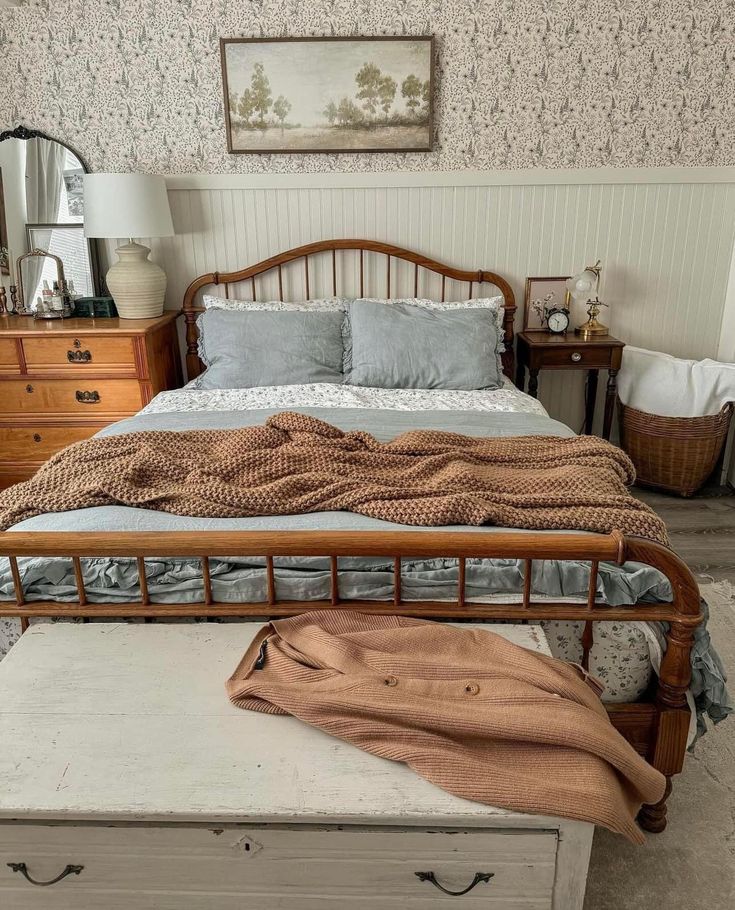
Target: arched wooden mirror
x,y
42,207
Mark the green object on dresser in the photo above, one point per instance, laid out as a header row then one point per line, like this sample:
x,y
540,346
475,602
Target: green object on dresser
x,y
87,307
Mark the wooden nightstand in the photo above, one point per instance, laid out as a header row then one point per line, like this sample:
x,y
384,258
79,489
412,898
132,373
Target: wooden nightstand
x,y
63,380
544,351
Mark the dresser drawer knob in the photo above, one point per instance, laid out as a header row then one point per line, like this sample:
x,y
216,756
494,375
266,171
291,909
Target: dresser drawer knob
x,y
77,343
430,877
79,356
29,388
23,869
36,437
87,397
576,357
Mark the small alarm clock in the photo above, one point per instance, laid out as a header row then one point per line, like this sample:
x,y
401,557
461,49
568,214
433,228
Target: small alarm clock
x,y
557,320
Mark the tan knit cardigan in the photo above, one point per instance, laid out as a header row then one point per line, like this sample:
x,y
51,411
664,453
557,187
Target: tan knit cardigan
x,y
466,709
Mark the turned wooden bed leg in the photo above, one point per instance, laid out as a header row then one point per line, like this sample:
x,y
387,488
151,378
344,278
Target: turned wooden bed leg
x,y
653,818
669,747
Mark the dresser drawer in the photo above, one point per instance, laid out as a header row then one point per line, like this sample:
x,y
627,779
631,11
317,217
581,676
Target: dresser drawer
x,y
35,444
8,356
244,867
79,353
86,397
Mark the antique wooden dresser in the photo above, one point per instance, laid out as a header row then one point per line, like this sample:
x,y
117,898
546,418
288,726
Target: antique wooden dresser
x,y
131,782
63,380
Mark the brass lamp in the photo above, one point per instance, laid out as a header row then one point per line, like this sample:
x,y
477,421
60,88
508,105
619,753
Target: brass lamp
x,y
582,286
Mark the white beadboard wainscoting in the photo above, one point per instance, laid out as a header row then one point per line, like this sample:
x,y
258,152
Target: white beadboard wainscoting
x,y
666,248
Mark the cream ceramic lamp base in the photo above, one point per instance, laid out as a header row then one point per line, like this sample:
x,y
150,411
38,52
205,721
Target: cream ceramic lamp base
x,y
137,285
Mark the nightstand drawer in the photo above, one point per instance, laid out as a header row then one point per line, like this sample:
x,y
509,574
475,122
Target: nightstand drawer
x,y
79,353
581,356
8,356
21,445
83,396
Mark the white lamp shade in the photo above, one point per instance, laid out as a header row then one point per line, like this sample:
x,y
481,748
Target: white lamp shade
x,y
582,285
126,205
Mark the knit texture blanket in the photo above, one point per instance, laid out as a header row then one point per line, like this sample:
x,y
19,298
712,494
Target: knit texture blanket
x,y
296,464
471,712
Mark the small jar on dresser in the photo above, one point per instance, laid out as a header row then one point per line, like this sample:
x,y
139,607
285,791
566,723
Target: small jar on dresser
x,y
62,381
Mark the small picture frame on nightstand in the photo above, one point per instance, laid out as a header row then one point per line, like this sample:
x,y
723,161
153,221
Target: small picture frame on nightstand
x,y
548,292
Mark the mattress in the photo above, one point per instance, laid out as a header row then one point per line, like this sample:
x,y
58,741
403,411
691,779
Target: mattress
x,y
624,654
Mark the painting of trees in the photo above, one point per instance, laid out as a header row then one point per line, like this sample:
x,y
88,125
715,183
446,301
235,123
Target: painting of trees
x,y
281,109
258,100
246,106
412,89
368,81
260,89
348,113
330,112
387,92
342,94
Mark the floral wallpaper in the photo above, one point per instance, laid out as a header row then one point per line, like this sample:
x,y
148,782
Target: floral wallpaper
x,y
136,84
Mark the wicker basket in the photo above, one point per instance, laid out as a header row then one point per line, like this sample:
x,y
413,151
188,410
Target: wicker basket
x,y
677,454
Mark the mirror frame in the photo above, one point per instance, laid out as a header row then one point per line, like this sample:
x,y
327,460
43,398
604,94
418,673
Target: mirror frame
x,y
34,253
24,133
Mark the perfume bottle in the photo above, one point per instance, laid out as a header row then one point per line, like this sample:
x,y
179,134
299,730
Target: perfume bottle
x,y
46,291
66,297
57,301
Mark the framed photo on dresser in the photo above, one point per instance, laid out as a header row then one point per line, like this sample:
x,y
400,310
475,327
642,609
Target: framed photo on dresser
x,y
545,292
295,95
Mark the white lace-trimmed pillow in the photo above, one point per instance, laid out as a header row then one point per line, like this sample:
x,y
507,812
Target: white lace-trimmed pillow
x,y
496,306
210,301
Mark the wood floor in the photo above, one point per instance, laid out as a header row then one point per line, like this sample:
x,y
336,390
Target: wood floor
x,y
702,529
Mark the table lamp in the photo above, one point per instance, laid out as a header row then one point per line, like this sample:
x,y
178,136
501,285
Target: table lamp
x,y
130,205
581,287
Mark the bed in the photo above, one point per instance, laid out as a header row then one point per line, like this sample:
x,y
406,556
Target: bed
x,y
618,605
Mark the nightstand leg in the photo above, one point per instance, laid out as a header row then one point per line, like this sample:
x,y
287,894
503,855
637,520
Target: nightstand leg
x,y
533,383
612,388
520,376
590,399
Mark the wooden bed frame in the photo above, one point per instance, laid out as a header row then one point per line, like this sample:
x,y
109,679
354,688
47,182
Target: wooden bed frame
x,y
656,726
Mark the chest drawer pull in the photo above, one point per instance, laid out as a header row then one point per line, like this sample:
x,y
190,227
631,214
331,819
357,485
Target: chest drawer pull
x,y
87,397
23,869
29,388
79,356
430,877
575,357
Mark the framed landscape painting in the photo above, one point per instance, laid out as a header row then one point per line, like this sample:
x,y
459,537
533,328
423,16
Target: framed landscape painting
x,y
328,94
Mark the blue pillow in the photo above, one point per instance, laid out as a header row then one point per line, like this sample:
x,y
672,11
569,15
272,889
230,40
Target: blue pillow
x,y
401,346
246,348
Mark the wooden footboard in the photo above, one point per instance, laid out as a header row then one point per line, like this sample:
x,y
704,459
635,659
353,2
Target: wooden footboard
x,y
657,727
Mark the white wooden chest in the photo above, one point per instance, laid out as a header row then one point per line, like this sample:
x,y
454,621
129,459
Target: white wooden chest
x,y
122,758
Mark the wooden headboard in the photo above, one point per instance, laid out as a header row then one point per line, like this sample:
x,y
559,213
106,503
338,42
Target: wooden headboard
x,y
299,258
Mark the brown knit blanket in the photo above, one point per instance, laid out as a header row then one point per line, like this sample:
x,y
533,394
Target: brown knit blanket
x,y
296,464
473,713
